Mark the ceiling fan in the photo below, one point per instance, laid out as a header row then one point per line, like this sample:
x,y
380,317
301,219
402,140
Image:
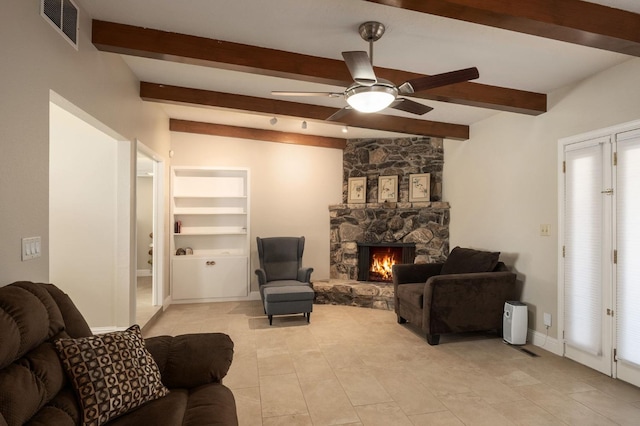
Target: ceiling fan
x,y
371,94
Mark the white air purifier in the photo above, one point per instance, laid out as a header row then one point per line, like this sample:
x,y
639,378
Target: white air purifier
x,y
514,323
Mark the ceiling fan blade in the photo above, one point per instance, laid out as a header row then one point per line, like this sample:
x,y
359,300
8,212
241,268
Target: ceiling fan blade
x,y
408,105
325,94
340,113
360,67
433,81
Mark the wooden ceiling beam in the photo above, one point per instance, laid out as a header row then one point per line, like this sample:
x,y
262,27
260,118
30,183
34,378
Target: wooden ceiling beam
x,y
206,98
572,21
255,134
156,44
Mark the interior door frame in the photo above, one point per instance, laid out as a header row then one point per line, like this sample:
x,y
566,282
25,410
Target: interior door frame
x,y
158,260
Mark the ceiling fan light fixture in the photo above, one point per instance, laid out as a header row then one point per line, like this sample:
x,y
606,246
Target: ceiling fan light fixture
x,y
369,99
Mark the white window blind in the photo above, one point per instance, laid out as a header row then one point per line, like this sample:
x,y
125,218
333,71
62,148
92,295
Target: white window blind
x,y
583,248
628,245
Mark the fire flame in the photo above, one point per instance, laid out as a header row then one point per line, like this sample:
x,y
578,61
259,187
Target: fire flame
x,y
381,265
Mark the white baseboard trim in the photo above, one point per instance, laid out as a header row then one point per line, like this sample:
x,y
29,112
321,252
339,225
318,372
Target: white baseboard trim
x,y
253,295
166,303
143,273
545,342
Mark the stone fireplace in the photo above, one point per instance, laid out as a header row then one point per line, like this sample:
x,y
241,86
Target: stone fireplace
x,y
376,260
423,226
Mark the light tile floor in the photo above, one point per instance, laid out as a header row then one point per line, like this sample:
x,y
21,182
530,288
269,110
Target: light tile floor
x,y
144,301
356,366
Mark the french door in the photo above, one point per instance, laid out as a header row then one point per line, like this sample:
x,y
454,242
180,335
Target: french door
x,y
600,270
627,283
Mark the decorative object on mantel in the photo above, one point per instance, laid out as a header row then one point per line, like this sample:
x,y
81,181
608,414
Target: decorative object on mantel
x,y
388,189
357,190
419,187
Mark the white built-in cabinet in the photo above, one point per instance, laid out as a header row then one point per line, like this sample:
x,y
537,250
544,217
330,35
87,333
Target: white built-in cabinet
x,y
210,220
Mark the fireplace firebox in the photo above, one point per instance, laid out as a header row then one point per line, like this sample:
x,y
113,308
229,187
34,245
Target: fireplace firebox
x,y
375,260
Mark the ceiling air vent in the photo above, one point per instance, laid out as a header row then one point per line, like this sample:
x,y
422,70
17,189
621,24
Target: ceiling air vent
x,y
63,15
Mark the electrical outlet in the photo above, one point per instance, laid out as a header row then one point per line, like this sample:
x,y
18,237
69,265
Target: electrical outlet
x,y
545,230
547,319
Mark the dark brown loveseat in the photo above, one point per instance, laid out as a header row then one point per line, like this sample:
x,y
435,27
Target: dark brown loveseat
x,y
465,293
35,388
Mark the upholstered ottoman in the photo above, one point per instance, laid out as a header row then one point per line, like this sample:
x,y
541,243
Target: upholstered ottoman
x,y
288,300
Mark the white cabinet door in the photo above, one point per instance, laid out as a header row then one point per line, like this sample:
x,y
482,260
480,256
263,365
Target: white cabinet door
x,y
209,277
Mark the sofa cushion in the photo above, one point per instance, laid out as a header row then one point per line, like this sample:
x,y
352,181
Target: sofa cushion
x,y
28,317
466,260
111,373
30,371
413,294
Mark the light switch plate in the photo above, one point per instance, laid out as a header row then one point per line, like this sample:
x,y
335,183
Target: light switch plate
x,y
31,248
545,230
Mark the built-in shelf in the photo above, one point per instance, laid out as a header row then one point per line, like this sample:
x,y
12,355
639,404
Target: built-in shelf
x,y
210,207
207,210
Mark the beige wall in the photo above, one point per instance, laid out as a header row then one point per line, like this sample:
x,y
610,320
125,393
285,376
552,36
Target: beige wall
x,y
503,182
291,188
35,60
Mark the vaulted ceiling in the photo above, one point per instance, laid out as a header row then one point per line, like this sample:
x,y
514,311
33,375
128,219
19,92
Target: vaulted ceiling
x,y
213,64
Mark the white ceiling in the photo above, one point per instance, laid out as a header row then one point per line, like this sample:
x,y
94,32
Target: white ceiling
x,y
413,41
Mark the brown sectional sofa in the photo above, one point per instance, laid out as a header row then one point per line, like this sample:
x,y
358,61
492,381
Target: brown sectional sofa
x,y
35,388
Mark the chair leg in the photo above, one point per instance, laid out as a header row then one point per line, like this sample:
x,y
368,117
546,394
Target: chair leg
x,y
401,320
270,319
433,339
308,316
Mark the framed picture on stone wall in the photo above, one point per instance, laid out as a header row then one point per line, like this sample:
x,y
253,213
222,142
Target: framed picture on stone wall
x,y
388,189
420,187
357,190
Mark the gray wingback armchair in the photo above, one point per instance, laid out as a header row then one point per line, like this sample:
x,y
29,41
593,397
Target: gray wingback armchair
x,y
465,293
285,286
281,262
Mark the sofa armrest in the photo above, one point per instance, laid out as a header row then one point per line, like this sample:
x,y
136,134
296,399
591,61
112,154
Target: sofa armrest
x,y
192,360
414,272
466,302
304,275
262,276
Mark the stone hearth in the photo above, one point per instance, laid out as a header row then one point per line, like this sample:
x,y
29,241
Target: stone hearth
x,y
376,295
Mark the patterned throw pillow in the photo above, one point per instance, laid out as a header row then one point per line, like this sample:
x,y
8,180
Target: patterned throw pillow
x,y
112,373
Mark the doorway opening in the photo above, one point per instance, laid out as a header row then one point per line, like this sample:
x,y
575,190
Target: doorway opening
x,y
149,233
90,215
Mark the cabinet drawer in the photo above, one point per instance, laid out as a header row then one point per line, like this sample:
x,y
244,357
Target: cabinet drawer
x,y
209,277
